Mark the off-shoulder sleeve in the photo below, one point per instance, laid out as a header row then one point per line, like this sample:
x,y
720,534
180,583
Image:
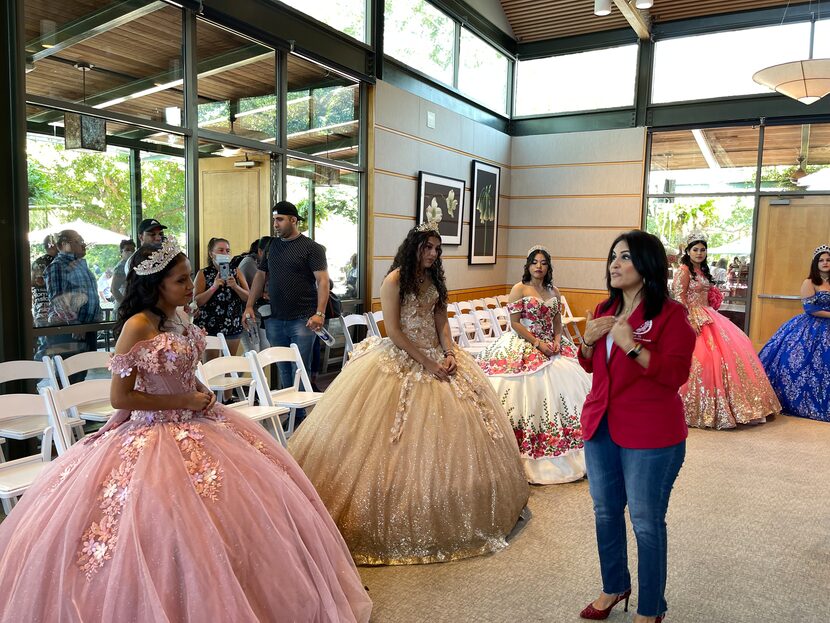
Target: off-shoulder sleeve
x,y
810,306
123,365
517,307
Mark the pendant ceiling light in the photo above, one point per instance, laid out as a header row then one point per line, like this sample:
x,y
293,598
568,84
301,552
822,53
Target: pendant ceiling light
x,y
602,7
644,4
799,172
806,81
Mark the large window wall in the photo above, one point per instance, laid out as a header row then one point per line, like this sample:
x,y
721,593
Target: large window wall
x,y
205,161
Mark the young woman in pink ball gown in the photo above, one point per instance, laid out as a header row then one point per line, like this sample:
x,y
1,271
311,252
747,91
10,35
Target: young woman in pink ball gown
x,y
727,385
180,509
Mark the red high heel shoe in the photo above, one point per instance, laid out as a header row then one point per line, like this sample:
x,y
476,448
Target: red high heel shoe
x,y
589,612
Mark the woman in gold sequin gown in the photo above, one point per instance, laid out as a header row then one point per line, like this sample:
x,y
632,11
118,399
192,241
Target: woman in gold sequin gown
x,y
409,448
727,385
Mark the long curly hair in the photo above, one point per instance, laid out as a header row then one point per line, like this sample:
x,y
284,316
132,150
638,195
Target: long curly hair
x,y
407,259
704,266
649,258
142,291
815,273
547,280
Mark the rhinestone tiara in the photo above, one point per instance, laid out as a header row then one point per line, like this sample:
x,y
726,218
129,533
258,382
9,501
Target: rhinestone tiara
x,y
430,225
158,259
695,236
537,247
822,249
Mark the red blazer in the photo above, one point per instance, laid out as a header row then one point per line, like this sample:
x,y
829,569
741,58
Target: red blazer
x,y
643,407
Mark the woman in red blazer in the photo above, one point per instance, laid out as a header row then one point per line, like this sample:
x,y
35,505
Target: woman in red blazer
x,y
639,346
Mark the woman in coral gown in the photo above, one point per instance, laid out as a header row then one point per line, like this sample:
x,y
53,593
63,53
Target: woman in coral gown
x,y
727,385
409,448
535,373
180,509
797,357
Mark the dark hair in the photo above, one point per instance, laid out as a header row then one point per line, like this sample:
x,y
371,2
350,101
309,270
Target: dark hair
x,y
815,273
263,243
254,247
704,265
126,243
407,260
547,281
142,291
212,243
649,258
49,241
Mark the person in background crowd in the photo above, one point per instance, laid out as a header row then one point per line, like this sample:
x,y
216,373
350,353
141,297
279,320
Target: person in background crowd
x,y
150,231
40,298
351,278
797,357
296,272
105,286
727,385
719,271
73,295
221,303
639,345
119,273
248,267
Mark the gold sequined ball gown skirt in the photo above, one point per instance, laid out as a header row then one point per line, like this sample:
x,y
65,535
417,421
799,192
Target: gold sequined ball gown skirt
x,y
412,469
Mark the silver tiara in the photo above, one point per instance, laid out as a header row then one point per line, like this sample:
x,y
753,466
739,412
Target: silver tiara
x,y
822,249
537,247
695,236
431,224
159,259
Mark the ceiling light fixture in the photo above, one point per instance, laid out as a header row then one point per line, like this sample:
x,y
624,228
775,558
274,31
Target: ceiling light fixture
x,y
602,7
644,4
806,81
799,172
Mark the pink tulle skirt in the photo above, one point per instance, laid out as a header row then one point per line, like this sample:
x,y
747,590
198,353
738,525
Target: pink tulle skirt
x,y
202,520
727,385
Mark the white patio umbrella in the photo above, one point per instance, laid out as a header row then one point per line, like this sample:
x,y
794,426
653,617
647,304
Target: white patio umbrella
x,y
741,246
92,234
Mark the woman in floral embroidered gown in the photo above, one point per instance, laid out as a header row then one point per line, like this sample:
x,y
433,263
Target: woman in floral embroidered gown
x,y
180,509
727,385
409,448
535,373
797,357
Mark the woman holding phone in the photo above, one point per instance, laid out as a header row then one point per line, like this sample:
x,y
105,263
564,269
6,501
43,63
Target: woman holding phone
x,y
222,302
638,344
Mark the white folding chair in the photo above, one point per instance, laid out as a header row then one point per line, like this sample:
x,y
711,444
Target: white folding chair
x,y
28,426
468,333
223,384
502,299
291,397
485,331
569,320
353,320
501,319
214,369
491,302
18,475
217,342
374,319
478,304
62,403
84,362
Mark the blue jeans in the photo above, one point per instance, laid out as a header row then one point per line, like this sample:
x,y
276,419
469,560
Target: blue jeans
x,y
284,333
643,479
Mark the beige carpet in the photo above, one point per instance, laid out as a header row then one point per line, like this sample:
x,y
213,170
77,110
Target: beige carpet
x,y
749,542
749,537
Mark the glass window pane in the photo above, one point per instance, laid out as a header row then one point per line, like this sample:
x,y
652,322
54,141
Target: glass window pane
x,y
722,64
784,145
163,193
482,72
323,111
557,84
237,84
331,197
714,160
348,16
728,221
147,85
419,35
821,46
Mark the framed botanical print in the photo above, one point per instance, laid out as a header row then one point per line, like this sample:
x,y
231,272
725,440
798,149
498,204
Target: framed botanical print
x,y
484,215
442,198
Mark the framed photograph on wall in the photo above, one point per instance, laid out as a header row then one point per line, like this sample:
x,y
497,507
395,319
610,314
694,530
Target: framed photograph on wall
x,y
444,196
484,215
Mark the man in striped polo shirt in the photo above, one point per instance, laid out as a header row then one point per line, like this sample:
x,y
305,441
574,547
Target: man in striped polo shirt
x,y
295,269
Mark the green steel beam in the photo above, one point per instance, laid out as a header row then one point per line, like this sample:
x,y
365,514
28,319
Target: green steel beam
x,y
732,21
577,43
90,25
577,122
723,111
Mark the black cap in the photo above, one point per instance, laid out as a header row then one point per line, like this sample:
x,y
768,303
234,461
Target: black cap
x,y
150,223
286,208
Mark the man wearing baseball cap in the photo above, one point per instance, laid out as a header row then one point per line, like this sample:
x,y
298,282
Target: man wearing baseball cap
x,y
150,231
295,269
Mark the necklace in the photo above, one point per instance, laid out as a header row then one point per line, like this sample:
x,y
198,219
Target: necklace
x,y
177,322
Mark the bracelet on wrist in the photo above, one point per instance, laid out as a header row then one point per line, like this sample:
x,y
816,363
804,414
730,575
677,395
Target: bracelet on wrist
x,y
587,345
449,353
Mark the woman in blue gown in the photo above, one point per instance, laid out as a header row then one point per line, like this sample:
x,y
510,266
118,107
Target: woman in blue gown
x,y
797,357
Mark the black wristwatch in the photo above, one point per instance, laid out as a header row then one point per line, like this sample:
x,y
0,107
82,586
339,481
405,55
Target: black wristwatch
x,y
634,352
